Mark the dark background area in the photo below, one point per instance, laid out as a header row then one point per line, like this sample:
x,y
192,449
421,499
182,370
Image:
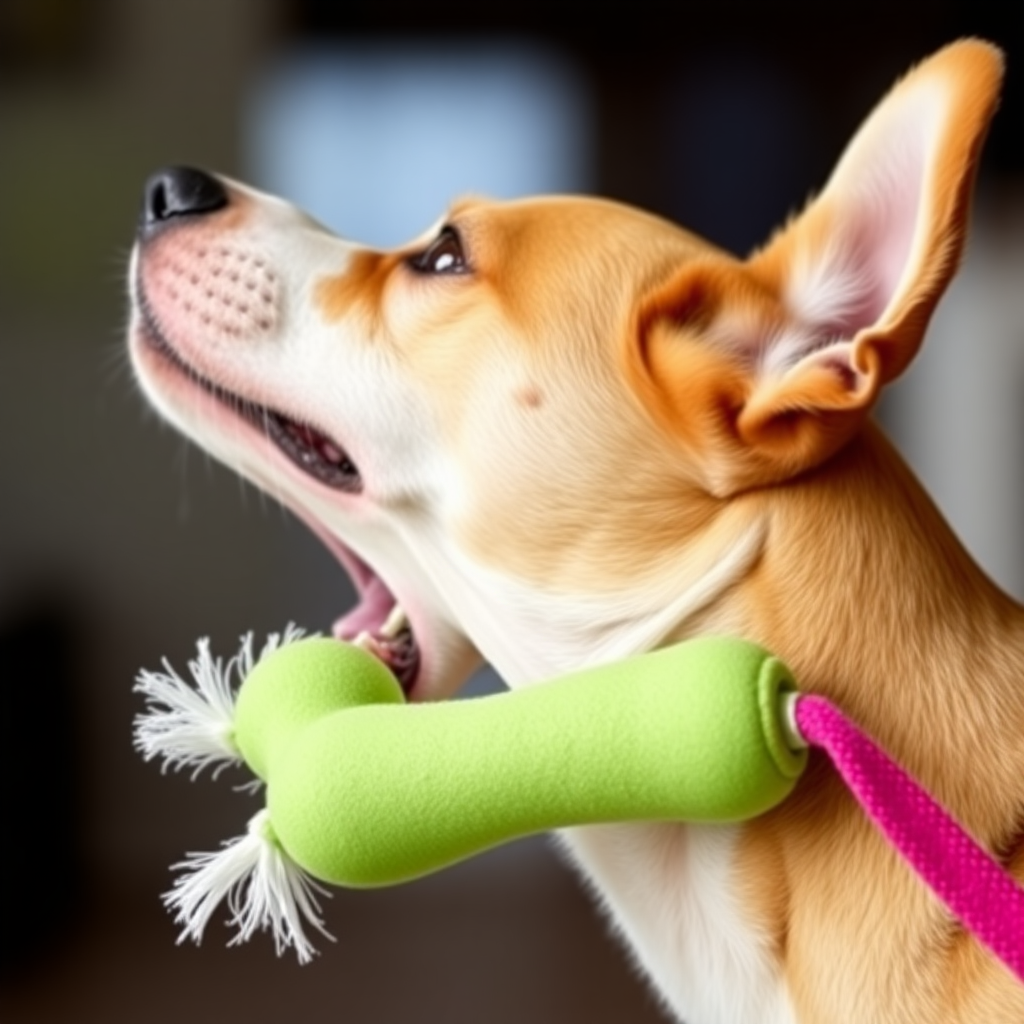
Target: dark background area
x,y
119,545
647,64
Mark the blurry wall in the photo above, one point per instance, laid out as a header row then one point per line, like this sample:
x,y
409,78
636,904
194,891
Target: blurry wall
x,y
959,414
105,516
376,138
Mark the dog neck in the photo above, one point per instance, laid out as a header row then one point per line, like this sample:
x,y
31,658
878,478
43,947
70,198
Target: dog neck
x,y
866,593
566,631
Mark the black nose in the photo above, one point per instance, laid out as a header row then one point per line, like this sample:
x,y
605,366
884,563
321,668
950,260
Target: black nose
x,y
179,192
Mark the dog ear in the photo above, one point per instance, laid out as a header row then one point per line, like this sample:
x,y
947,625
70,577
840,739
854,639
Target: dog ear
x,y
808,330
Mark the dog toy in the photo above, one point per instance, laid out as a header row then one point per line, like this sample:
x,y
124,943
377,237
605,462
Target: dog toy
x,y
365,790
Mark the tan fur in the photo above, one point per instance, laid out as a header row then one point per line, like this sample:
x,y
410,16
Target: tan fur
x,y
608,418
918,646
360,288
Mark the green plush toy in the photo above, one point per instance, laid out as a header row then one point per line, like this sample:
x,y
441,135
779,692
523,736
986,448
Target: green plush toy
x,y
363,789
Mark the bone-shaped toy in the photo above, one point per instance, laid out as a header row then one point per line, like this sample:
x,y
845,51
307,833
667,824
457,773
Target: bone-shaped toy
x,y
363,789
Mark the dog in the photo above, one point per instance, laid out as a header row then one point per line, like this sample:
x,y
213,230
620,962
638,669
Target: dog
x,y
552,432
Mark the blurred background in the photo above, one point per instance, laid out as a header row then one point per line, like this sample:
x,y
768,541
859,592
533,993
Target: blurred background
x,y
119,544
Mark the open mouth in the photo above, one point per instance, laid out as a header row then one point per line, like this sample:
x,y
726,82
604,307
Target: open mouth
x,y
307,447
312,451
378,623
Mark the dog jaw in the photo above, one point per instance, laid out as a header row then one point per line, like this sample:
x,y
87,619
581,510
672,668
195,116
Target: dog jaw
x,y
223,324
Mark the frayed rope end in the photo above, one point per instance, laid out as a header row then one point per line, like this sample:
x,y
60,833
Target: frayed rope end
x,y
191,724
264,889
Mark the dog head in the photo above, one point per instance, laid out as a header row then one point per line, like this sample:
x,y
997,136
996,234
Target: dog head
x,y
533,428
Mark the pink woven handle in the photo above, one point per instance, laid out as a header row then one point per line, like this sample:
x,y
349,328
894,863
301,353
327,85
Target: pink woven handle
x,y
975,887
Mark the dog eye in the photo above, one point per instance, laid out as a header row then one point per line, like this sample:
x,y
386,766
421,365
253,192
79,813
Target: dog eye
x,y
443,256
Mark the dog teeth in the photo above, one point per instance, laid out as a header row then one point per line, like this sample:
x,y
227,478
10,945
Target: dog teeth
x,y
396,621
368,643
378,646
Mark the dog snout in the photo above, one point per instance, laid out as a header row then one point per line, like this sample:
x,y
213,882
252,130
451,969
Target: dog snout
x,y
179,192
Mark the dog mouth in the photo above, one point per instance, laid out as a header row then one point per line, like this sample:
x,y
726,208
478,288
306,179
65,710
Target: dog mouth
x,y
313,451
378,623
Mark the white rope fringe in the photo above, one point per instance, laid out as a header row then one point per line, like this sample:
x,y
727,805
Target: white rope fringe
x,y
191,725
264,888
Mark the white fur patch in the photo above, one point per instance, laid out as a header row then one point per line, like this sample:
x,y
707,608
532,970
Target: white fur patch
x,y
828,286
528,634
671,893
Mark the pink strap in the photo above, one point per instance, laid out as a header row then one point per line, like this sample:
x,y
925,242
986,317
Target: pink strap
x,y
975,887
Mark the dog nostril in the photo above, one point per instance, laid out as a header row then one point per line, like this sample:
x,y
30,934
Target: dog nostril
x,y
156,205
180,192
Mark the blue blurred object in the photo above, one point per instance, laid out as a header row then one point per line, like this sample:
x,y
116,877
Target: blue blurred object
x,y
376,139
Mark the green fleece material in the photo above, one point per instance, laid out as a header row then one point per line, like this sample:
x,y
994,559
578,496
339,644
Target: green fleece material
x,y
366,790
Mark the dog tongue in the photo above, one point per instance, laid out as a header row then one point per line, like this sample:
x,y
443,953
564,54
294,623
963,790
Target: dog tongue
x,y
375,602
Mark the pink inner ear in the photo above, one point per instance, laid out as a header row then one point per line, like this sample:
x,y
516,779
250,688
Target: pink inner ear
x,y
847,280
884,227
899,215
